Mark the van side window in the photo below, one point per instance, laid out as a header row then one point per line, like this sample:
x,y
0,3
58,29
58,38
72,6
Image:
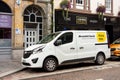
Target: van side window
x,y
66,38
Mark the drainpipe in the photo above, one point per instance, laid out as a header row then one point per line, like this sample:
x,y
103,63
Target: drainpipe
x,y
53,15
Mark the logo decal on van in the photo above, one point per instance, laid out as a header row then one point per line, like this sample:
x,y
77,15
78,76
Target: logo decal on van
x,y
101,36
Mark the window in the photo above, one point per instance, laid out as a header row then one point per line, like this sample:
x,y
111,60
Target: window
x,y
32,14
66,38
108,4
71,3
87,4
32,18
80,4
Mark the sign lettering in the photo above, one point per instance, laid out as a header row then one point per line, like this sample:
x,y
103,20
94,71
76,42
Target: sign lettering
x,y
81,20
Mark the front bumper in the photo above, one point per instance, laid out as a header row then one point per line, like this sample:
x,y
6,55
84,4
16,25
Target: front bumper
x,y
32,62
115,53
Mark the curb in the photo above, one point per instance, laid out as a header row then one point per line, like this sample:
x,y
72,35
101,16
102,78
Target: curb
x,y
10,72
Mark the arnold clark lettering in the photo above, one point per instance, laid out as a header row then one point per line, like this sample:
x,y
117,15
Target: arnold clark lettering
x,y
86,36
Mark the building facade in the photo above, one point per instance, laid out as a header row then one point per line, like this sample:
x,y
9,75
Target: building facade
x,y
25,22
83,15
22,23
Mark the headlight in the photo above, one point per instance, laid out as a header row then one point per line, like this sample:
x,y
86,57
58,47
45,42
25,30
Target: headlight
x,y
118,48
39,49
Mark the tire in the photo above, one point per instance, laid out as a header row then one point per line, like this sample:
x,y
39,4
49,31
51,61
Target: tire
x,y
100,59
50,64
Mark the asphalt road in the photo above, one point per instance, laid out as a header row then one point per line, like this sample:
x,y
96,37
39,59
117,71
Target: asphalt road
x,y
105,73
82,71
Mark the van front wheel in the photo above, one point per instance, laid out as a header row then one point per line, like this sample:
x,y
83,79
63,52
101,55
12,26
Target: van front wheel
x,y
50,64
100,59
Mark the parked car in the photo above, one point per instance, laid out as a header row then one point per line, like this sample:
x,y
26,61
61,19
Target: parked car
x,y
67,47
115,48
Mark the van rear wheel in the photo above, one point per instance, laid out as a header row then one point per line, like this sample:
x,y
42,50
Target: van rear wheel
x,y
50,64
100,59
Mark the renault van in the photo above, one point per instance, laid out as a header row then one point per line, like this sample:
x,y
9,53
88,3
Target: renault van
x,y
67,47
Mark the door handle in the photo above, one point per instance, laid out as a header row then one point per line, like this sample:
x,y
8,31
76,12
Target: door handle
x,y
81,47
72,48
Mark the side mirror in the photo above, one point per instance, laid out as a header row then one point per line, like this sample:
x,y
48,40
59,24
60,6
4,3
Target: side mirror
x,y
58,42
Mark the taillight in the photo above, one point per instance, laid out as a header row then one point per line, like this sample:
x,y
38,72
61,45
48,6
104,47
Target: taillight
x,y
108,40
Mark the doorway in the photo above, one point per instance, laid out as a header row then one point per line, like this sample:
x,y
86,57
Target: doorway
x,y
33,22
109,29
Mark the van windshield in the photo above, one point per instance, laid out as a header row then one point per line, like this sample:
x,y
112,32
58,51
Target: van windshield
x,y
48,38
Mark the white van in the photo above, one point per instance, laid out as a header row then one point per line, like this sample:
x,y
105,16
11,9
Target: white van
x,y
67,47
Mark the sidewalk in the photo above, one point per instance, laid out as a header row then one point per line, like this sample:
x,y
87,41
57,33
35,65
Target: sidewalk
x,y
11,65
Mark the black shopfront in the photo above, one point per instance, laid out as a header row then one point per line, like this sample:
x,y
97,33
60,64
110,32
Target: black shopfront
x,y
82,21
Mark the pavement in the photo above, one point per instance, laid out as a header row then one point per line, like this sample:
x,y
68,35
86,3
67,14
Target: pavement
x,y
10,66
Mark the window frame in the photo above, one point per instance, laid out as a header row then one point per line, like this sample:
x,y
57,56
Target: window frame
x,y
64,35
81,7
109,6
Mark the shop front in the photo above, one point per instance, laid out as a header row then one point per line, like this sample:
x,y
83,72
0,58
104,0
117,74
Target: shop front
x,y
80,21
5,31
5,35
22,24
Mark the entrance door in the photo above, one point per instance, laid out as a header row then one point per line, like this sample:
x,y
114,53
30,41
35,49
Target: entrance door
x,y
30,37
33,20
109,29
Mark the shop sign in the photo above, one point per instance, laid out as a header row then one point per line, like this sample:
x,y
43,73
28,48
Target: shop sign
x,y
113,19
5,21
81,20
94,21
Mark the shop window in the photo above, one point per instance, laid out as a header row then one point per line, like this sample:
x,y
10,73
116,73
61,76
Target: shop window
x,y
5,33
1,34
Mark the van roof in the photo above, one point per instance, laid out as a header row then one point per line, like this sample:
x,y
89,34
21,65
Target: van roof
x,y
84,31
